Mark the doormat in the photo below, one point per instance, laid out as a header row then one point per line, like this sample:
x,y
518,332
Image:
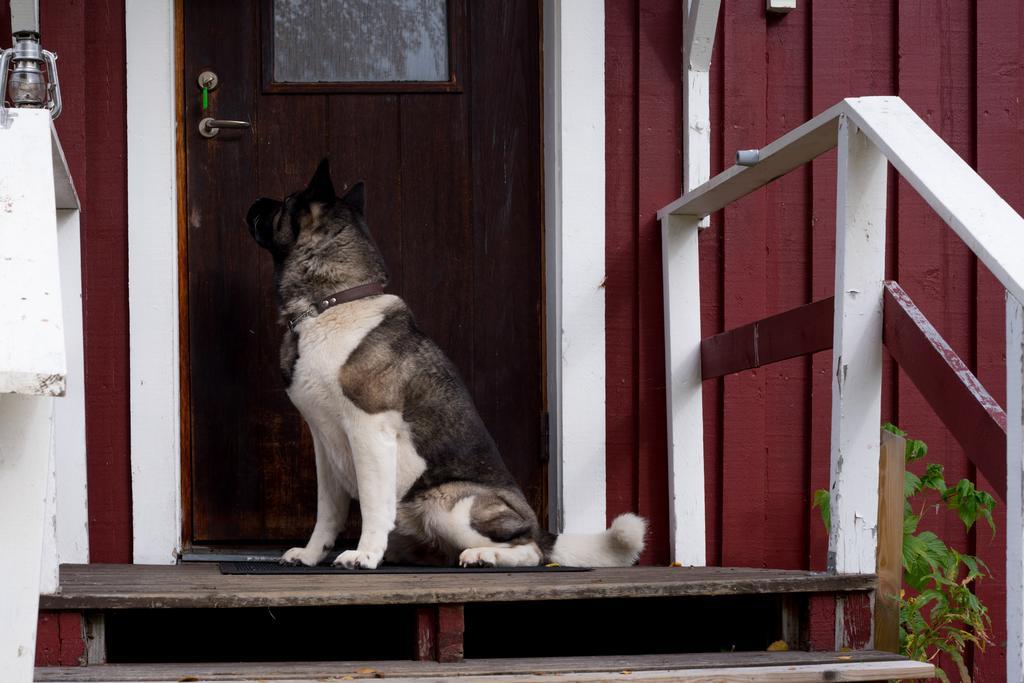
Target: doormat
x,y
274,568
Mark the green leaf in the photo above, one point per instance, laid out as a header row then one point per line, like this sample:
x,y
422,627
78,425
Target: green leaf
x,y
911,484
893,429
933,478
915,450
822,501
910,523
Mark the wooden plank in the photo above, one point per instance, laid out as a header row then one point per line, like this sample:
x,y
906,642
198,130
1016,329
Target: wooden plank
x,y
700,24
659,178
983,220
681,268
797,332
997,114
935,80
26,424
744,415
702,664
451,626
99,586
621,259
426,633
104,277
967,410
776,159
1015,488
788,281
890,542
857,351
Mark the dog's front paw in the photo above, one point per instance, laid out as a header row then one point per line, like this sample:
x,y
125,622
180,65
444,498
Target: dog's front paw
x,y
305,556
358,559
479,557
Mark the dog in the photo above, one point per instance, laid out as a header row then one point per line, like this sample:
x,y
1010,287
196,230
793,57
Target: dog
x,y
393,425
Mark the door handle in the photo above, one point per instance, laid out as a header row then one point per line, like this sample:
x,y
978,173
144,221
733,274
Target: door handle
x,y
209,127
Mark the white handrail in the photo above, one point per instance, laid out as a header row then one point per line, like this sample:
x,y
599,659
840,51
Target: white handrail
x,y
868,131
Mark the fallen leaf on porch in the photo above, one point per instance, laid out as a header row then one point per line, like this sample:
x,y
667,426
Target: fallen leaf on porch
x,y
844,657
626,672
552,564
779,646
187,679
366,670
675,564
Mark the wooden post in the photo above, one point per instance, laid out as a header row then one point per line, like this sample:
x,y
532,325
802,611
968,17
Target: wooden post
x,y
890,542
681,272
1014,484
699,25
857,351
440,631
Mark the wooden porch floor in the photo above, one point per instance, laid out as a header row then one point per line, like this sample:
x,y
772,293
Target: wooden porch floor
x,y
109,586
740,666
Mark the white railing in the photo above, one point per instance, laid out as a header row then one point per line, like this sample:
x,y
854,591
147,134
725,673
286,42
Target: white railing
x,y
35,195
870,132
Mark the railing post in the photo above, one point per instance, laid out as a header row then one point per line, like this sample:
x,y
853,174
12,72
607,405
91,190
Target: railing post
x,y
1014,485
857,351
681,272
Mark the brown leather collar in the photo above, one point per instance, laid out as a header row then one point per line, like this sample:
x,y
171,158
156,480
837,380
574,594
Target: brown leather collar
x,y
338,298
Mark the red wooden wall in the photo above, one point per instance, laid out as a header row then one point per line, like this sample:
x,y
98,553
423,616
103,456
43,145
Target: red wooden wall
x,y
89,44
959,66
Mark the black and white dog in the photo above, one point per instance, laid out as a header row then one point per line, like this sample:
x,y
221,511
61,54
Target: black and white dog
x,y
392,423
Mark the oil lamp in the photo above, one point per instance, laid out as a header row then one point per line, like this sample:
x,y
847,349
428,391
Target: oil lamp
x,y
28,75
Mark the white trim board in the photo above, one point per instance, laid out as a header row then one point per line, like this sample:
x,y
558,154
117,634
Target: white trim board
x,y
574,189
574,186
153,282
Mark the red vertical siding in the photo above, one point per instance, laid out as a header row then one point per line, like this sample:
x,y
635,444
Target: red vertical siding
x,y
90,45
999,141
621,256
767,431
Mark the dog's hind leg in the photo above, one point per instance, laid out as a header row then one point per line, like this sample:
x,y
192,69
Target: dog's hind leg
x,y
332,503
482,528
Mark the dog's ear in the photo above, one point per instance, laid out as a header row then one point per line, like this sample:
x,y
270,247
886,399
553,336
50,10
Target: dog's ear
x,y
260,219
320,188
355,198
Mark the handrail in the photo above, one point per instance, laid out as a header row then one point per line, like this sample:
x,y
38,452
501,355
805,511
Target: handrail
x,y
983,220
870,133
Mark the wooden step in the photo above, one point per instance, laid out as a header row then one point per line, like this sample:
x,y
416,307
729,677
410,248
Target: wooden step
x,y
791,667
123,586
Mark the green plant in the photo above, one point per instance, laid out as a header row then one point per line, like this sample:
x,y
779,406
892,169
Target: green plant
x,y
939,612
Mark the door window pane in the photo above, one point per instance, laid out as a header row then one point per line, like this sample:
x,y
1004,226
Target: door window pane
x,y
358,41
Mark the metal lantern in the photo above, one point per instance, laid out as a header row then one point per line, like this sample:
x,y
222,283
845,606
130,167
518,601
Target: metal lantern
x,y
28,75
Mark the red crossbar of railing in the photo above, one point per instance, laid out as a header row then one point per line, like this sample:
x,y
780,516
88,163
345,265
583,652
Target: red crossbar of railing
x,y
970,413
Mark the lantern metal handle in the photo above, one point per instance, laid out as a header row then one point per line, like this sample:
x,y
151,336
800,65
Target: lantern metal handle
x,y
209,127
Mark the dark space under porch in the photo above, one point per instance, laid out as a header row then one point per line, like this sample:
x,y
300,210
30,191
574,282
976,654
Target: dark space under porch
x,y
537,629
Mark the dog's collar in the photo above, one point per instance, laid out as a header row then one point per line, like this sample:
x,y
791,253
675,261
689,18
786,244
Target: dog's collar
x,y
342,297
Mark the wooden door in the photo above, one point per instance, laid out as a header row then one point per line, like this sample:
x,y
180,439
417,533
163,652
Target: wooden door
x,y
452,165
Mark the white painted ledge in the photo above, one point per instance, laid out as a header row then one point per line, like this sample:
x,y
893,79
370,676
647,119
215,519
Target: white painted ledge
x,y
32,186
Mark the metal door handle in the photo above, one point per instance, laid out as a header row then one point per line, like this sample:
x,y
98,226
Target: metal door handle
x,y
209,127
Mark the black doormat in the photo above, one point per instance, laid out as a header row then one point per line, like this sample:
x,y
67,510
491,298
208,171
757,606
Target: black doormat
x,y
274,568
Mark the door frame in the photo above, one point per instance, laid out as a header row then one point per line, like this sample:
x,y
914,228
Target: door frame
x,y
574,185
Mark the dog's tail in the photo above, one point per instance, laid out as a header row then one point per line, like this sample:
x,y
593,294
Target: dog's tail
x,y
618,546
